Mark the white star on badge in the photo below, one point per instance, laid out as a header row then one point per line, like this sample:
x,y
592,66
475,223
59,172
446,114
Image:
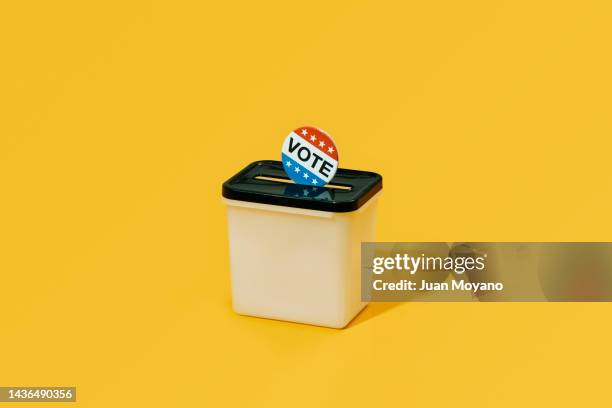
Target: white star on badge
x,y
297,169
321,144
304,132
305,192
313,138
314,181
305,175
288,164
330,150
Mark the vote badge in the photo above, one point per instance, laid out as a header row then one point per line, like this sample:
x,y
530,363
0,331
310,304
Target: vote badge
x,y
310,156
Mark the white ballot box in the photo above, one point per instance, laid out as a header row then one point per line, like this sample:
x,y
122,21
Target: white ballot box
x,y
295,249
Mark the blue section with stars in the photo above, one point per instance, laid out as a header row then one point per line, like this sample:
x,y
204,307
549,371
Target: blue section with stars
x,y
300,174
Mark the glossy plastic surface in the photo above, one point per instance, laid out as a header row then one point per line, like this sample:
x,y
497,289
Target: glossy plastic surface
x,y
245,186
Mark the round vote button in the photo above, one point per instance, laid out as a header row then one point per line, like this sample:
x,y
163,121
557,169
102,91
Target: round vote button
x,y
310,156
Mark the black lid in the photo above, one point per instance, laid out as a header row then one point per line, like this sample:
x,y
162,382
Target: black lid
x,y
353,188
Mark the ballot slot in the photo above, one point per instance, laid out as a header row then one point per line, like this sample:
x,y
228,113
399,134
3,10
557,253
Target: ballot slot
x,y
289,181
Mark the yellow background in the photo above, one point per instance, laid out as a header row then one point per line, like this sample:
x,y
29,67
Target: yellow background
x,y
120,120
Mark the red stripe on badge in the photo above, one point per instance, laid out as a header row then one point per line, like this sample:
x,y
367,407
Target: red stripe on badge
x,y
319,139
